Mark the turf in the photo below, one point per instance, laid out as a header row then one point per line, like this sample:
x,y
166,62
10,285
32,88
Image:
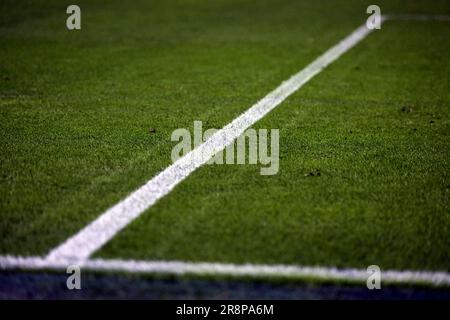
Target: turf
x,y
76,109
375,125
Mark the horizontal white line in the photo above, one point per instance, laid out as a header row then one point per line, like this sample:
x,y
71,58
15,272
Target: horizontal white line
x,y
236,270
97,233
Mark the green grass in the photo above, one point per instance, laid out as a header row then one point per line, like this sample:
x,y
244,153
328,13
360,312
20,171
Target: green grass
x,y
76,108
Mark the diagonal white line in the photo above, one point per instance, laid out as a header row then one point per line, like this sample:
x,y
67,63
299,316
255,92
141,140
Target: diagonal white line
x,y
436,278
97,233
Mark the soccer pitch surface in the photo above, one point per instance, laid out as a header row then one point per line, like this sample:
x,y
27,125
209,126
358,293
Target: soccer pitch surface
x,y
87,116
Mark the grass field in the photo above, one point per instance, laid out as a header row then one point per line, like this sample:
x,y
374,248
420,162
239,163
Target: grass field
x,y
76,109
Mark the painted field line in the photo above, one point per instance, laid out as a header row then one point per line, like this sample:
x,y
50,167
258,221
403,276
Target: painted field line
x,y
227,269
101,230
97,233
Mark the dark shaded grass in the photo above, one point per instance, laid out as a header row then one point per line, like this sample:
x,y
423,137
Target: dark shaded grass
x,y
41,285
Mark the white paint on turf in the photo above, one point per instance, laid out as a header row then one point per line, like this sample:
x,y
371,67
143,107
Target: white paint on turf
x,y
97,233
77,249
238,270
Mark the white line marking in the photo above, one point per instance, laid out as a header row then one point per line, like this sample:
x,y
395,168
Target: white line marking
x,y
239,270
77,249
97,233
